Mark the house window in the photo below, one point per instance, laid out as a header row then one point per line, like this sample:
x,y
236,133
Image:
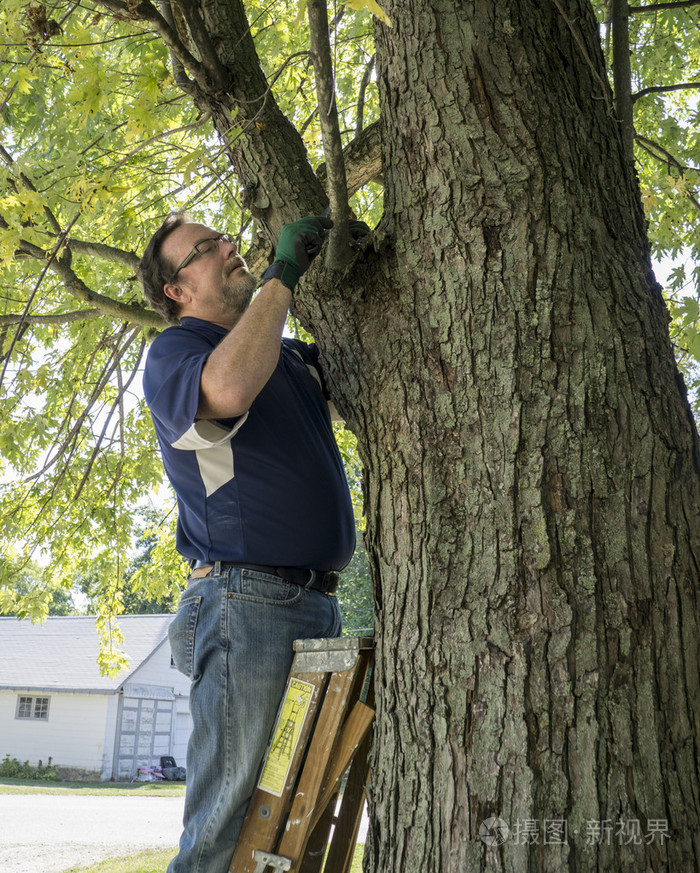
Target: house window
x,y
33,707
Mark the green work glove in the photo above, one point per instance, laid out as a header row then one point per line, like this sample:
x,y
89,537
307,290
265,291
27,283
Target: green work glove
x,y
298,245
358,229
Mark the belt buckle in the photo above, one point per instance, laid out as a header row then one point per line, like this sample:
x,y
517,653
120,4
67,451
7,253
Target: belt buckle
x,y
330,582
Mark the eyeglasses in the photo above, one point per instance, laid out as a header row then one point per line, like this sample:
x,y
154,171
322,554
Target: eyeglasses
x,y
204,247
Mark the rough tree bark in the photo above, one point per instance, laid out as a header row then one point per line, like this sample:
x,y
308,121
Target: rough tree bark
x,y
531,463
500,347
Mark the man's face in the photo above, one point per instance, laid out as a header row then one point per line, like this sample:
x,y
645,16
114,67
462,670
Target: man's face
x,y
215,284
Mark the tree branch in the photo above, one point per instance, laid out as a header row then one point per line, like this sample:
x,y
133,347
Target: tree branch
x,y
622,75
131,312
660,7
128,259
202,40
36,49
60,318
362,159
10,161
179,74
339,239
65,450
364,84
105,252
667,158
117,404
147,12
659,89
25,312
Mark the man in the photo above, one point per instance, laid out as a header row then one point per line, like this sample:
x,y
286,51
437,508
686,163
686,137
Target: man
x,y
265,517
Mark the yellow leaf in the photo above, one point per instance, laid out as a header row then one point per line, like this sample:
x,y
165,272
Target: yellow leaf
x,y
24,79
649,200
372,6
32,204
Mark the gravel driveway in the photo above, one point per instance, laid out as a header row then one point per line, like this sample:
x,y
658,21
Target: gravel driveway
x,y
41,832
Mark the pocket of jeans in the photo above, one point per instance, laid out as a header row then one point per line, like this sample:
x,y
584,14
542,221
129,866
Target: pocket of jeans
x,y
182,632
261,587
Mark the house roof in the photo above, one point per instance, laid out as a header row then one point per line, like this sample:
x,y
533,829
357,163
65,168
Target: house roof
x,y
61,653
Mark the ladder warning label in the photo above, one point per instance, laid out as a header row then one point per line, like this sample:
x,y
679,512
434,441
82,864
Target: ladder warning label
x,y
286,736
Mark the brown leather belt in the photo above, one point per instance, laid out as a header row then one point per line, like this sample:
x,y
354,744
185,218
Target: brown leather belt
x,y
325,581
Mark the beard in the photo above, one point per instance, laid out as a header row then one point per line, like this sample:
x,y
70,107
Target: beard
x,y
237,291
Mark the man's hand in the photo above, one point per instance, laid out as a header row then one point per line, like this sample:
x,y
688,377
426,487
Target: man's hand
x,y
298,245
358,229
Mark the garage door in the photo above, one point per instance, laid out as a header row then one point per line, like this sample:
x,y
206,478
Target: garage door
x,y
144,733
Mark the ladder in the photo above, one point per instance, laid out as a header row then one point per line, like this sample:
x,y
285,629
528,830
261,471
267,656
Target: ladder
x,y
322,732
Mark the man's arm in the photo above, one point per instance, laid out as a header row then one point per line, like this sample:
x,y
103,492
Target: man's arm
x,y
239,367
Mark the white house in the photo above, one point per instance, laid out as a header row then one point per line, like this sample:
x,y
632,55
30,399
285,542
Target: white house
x,y
55,704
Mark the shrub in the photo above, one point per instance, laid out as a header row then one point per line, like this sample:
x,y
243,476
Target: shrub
x,y
10,768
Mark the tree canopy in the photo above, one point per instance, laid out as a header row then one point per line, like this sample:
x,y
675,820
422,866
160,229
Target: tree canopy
x,y
103,133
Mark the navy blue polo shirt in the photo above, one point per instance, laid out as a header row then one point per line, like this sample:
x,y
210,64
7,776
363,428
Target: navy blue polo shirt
x,y
266,488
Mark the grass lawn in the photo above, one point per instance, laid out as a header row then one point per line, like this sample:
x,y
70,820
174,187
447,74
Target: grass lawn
x,y
143,789
154,861
157,861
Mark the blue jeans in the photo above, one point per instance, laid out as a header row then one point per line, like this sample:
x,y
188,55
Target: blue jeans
x,y
233,636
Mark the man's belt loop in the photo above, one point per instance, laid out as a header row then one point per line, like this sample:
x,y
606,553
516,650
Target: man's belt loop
x,y
217,568
312,578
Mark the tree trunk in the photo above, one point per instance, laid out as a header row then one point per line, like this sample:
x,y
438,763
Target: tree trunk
x,y
501,350
531,462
